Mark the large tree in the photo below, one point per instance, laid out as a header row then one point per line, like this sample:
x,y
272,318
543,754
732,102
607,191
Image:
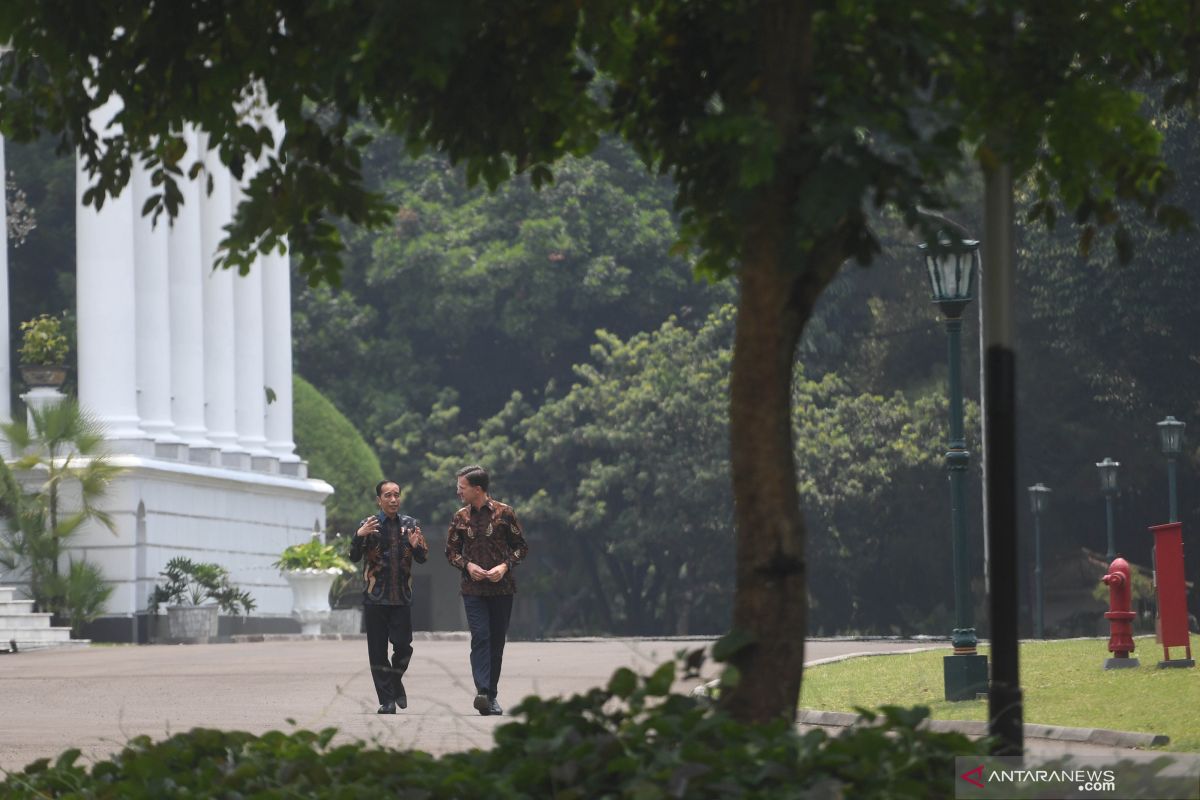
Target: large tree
x,y
780,121
536,273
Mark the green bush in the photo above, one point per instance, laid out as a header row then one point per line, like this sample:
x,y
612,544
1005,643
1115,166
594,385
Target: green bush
x,y
85,593
336,453
631,739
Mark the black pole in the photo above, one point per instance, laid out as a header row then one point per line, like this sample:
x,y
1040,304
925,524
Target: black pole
x,y
1005,705
1038,631
1111,553
1172,502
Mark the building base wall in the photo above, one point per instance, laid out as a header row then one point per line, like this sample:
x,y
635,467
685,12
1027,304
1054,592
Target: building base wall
x,y
163,509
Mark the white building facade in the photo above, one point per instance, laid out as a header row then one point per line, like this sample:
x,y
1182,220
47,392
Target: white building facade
x,y
177,362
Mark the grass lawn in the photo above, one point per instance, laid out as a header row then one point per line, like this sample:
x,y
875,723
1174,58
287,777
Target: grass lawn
x,y
1064,682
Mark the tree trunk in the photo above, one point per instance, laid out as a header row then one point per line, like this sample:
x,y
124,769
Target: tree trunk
x,y
780,281
778,292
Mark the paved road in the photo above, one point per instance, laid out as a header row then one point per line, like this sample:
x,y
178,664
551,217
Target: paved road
x,y
96,698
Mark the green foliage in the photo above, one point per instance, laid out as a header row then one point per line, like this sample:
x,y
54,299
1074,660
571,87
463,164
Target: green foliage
x,y
63,452
509,93
336,452
623,479
192,583
633,738
84,591
518,279
781,124
43,341
42,269
347,588
313,554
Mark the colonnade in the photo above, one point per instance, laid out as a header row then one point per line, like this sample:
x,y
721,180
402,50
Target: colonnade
x,y
175,359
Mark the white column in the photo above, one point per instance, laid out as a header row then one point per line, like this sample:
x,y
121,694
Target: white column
x,y
104,292
277,345
153,322
277,342
219,345
5,365
250,395
186,278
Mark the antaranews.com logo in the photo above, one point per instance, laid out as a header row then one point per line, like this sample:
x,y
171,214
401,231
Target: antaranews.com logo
x,y
1076,776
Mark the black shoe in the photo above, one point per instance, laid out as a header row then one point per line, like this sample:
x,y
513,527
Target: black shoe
x,y
402,702
387,708
483,704
494,708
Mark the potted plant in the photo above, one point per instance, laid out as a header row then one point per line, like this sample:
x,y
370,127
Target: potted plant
x,y
43,352
310,569
194,594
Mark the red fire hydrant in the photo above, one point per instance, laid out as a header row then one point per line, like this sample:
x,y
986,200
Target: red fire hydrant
x,y
1119,615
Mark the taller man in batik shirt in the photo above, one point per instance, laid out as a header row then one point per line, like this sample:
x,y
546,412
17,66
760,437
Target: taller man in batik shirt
x,y
485,543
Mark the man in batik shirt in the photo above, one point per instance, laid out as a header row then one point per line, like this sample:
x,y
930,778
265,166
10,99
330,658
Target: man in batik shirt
x,y
484,543
390,542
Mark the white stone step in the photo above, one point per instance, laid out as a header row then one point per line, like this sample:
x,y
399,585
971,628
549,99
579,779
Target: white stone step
x,y
16,607
30,630
34,635
24,621
27,646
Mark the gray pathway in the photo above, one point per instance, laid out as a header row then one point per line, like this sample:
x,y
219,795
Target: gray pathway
x,y
96,698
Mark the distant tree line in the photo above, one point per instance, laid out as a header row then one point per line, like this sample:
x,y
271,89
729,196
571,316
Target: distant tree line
x,y
555,336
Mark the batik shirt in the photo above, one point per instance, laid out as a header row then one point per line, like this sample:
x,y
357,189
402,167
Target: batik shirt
x,y
387,570
487,536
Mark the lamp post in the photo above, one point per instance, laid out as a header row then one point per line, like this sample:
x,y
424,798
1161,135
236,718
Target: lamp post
x,y
1171,432
1108,485
951,262
1039,498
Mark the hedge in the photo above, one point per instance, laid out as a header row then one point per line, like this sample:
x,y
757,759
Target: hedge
x,y
336,453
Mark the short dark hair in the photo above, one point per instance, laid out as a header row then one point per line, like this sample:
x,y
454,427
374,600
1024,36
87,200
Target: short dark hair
x,y
379,486
475,475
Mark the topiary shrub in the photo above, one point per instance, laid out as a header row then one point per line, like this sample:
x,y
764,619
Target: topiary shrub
x,y
336,453
632,738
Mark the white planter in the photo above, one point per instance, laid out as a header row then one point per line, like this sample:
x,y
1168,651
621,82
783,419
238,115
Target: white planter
x,y
310,596
192,623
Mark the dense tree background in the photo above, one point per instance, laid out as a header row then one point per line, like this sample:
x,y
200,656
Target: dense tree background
x,y
877,503
546,334
786,127
614,443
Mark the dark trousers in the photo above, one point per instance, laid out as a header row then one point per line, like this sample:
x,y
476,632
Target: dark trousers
x,y
388,624
487,618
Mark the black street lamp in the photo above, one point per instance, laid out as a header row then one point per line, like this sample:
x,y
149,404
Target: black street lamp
x,y
1171,432
952,263
1039,499
1108,485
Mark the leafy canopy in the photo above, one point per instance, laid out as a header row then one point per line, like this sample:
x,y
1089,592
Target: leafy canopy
x,y
815,108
